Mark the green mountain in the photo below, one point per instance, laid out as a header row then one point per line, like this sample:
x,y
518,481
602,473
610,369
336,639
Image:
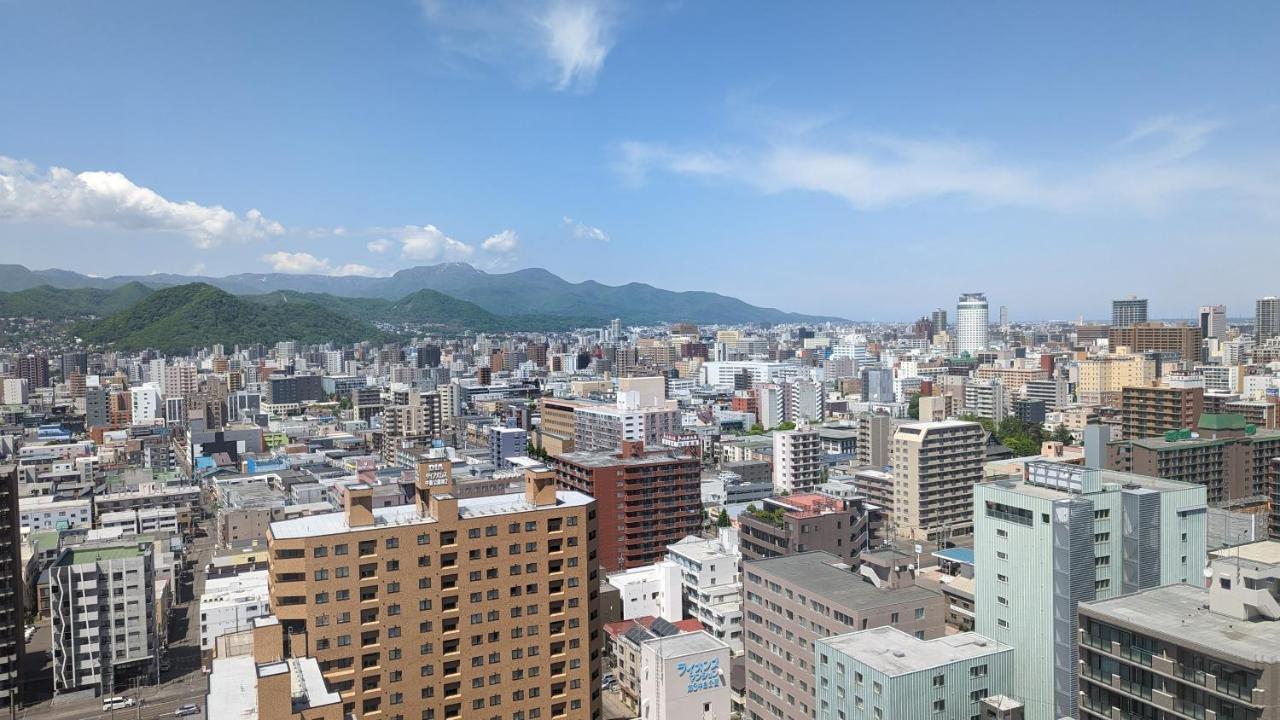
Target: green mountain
x,y
531,292
425,308
199,315
49,303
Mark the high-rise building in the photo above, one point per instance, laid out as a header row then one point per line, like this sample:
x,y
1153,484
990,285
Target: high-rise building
x,y
34,369
1150,410
1069,534
1204,652
447,607
938,321
1266,323
806,522
1129,311
646,500
12,611
1213,321
1004,318
971,323
103,606
935,465
506,442
797,459
1154,337
877,385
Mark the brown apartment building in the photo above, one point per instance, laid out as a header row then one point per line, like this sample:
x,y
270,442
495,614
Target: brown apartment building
x,y
555,433
808,522
1150,410
1155,337
791,602
645,500
447,608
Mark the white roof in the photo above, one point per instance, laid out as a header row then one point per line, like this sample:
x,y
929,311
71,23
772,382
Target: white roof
x,y
233,689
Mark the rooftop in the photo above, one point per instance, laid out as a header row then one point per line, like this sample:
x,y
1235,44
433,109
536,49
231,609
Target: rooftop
x,y
600,459
233,689
1266,552
894,652
1181,614
675,646
336,522
818,574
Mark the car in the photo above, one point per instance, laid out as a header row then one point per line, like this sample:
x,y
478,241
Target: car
x,y
185,710
29,633
117,703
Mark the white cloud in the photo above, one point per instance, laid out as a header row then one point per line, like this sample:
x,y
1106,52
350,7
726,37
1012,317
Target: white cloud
x,y
429,243
582,231
566,42
503,242
301,263
109,199
379,246
1149,170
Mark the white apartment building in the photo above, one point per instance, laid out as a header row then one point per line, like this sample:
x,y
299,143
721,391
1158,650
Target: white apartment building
x,y
797,459
712,584
44,512
971,323
229,605
146,404
685,677
650,591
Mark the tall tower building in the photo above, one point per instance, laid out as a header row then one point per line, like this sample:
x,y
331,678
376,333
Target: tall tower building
x,y
1213,321
1130,311
1004,318
971,323
939,319
1267,319
935,465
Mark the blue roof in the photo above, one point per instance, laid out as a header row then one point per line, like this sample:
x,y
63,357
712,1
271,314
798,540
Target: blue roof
x,y
963,556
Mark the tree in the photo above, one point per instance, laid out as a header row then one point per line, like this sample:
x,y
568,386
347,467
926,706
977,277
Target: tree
x,y
786,425
756,429
913,407
1063,435
722,520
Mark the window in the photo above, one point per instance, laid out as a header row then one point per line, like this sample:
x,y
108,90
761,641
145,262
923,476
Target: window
x,y
939,706
1002,622
1103,584
978,671
919,613
939,680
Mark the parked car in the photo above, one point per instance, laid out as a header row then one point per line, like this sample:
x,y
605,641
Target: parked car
x,y
29,633
185,710
117,703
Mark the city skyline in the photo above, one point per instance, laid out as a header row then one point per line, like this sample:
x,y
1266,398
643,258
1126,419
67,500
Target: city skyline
x,y
1028,143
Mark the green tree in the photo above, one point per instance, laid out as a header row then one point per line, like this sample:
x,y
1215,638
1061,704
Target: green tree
x,y
723,520
913,407
786,425
1063,435
756,429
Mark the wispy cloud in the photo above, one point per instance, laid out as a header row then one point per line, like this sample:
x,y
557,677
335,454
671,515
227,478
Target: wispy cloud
x,y
582,231
565,41
1150,169
111,200
301,263
379,246
503,242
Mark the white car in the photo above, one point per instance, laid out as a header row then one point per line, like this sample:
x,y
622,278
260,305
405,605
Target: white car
x,y
117,703
29,633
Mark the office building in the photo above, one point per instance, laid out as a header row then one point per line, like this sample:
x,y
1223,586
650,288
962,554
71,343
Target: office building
x,y
103,608
971,323
1266,321
1065,535
1127,312
34,369
874,447
886,673
683,676
446,607
797,459
1213,321
1186,650
938,321
1184,340
12,597
1150,410
935,465
645,500
877,385
805,522
793,601
1104,377
1226,455
230,604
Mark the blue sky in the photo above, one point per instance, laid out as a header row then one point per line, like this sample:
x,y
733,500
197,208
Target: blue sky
x,y
870,160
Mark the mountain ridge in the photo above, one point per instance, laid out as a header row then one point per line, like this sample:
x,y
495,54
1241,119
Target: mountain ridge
x,y
527,292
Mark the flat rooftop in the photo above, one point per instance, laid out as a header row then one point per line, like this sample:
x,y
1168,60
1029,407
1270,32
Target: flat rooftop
x,y
336,522
1266,552
233,689
599,459
816,574
682,644
1180,614
893,652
